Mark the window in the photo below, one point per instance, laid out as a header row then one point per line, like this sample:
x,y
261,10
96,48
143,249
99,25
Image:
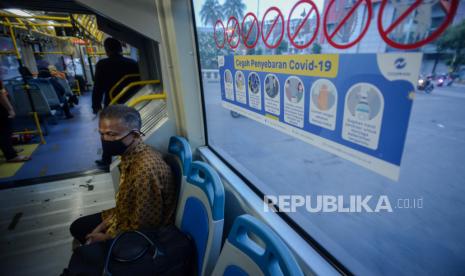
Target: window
x,y
423,234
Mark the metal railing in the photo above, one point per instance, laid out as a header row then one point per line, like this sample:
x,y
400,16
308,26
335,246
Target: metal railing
x,y
125,77
131,85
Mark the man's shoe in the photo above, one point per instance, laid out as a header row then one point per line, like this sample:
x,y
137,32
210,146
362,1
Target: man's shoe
x,y
103,165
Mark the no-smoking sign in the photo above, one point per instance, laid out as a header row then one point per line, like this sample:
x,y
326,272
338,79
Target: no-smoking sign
x,y
411,25
273,15
304,21
247,32
233,32
222,34
345,27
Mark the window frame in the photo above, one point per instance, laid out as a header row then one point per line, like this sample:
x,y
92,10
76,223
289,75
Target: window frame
x,y
333,261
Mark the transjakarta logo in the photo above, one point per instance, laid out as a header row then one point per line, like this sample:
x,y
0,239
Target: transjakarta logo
x,y
328,203
400,63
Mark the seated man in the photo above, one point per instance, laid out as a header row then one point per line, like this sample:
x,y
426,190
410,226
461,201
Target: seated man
x,y
147,192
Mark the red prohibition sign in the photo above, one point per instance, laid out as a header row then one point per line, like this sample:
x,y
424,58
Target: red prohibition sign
x,y
349,14
232,30
246,34
302,24
452,8
265,37
224,34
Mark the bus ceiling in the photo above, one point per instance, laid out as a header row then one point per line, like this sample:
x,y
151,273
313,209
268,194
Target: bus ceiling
x,y
63,6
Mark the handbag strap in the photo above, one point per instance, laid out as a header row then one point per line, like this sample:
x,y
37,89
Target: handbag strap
x,y
106,268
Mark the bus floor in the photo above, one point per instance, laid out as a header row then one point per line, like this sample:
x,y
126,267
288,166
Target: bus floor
x,y
71,146
35,220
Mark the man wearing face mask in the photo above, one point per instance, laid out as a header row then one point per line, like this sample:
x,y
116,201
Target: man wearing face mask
x,y
147,192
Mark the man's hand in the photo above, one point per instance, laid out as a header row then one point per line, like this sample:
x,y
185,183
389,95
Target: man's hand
x,y
97,237
11,114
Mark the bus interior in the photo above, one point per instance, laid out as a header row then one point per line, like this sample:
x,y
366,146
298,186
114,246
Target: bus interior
x,y
410,161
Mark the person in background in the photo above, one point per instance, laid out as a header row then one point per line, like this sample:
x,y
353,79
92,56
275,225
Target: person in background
x,y
147,191
59,89
6,114
108,72
55,73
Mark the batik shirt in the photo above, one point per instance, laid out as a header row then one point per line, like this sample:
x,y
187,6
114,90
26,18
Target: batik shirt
x,y
147,192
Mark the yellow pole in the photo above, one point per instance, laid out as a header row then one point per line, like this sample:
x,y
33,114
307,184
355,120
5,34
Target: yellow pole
x,y
13,38
39,129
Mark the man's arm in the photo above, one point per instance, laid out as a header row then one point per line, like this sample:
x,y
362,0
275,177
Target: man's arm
x,y
97,93
6,103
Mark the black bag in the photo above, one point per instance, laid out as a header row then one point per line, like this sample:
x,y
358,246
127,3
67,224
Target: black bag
x,y
165,251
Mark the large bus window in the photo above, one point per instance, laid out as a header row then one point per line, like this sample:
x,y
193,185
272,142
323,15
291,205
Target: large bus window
x,y
419,225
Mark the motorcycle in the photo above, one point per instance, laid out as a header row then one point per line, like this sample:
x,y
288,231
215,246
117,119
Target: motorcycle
x,y
425,84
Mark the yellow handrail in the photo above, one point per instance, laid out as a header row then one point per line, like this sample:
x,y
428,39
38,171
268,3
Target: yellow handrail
x,y
77,90
112,90
150,97
131,85
50,53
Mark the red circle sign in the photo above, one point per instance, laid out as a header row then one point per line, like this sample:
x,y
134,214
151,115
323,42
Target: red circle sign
x,y
450,8
344,20
302,24
266,36
246,34
232,30
214,34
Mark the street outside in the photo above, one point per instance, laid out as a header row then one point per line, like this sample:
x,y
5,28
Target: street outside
x,y
406,241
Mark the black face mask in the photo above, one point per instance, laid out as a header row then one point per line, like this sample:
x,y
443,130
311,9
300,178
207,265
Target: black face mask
x,y
116,147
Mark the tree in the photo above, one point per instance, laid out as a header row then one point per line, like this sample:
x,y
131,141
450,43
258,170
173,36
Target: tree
x,y
316,48
211,11
454,39
234,8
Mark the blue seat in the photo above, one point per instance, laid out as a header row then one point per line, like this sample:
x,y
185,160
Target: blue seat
x,y
179,147
48,91
241,255
200,213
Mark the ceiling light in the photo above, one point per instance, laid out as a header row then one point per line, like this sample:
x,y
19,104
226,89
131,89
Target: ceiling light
x,y
18,12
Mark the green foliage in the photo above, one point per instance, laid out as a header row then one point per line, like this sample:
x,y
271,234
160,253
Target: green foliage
x,y
208,51
211,11
453,39
283,47
234,8
316,48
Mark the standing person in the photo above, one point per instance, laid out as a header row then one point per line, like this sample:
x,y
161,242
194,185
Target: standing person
x,y
6,114
108,72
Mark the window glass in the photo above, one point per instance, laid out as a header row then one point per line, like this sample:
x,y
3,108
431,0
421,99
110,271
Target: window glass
x,y
423,230
8,61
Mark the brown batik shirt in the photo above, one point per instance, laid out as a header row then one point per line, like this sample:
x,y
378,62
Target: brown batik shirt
x,y
147,192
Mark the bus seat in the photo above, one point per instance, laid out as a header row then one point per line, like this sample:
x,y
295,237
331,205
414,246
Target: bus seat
x,y
65,85
22,104
49,92
243,256
200,214
179,147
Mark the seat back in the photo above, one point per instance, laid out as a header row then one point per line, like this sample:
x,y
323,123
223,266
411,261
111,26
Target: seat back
x,y
180,148
200,214
49,92
64,83
22,103
242,255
